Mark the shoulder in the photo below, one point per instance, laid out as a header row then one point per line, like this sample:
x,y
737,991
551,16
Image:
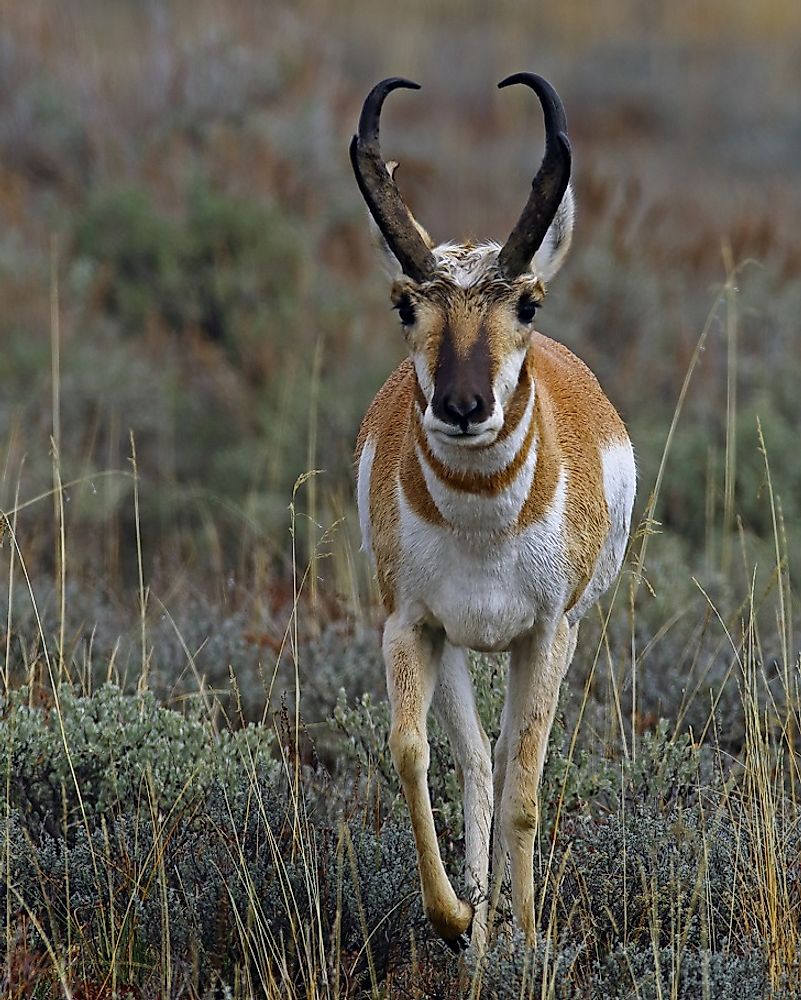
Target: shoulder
x,y
391,401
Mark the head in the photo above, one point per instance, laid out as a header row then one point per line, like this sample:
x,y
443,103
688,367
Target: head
x,y
467,311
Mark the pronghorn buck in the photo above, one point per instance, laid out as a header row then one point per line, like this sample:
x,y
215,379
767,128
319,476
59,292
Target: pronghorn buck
x,y
495,489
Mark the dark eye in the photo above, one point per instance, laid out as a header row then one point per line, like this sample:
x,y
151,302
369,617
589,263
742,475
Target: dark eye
x,y
526,308
405,311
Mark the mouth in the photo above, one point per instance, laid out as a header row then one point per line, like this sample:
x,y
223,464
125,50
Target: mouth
x,y
467,437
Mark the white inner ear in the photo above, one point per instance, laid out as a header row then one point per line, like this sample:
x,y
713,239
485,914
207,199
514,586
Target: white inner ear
x,y
388,259
553,249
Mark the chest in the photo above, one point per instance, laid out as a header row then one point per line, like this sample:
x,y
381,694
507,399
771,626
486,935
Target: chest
x,y
484,587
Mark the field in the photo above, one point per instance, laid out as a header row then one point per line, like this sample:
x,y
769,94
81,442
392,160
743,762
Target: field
x,y
198,800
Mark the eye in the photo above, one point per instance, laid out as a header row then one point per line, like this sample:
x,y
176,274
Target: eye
x,y
526,308
405,309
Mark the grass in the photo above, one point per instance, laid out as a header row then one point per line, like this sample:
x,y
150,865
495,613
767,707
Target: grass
x,y
198,799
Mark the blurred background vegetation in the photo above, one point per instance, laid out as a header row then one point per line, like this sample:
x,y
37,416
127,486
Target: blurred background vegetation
x,y
184,259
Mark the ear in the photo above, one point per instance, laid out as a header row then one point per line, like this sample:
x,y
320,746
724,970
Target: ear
x,y
388,258
553,249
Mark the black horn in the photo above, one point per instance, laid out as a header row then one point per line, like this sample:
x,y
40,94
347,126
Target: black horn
x,y
549,185
380,191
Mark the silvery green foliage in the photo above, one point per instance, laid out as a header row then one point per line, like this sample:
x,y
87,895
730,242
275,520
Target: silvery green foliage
x,y
126,819
690,975
644,854
654,857
182,839
637,878
371,893
76,759
511,971
148,879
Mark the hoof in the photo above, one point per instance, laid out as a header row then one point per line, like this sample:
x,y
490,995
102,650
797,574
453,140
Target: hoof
x,y
454,927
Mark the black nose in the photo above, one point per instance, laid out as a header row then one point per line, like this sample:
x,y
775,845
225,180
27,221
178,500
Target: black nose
x,y
464,409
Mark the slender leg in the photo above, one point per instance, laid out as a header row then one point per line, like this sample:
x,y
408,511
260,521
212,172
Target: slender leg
x,y
537,665
411,654
499,852
456,710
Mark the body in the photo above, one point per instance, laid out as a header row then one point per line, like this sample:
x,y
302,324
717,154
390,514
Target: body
x,y
495,488
486,551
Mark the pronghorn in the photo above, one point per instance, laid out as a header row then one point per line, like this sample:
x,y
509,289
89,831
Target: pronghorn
x,y
495,489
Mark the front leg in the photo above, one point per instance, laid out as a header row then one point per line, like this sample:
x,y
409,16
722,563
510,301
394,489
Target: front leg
x,y
412,654
537,665
455,708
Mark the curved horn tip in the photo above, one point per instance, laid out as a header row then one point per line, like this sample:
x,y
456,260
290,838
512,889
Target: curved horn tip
x,y
375,180
549,184
529,79
552,107
402,81
537,83
371,109
391,83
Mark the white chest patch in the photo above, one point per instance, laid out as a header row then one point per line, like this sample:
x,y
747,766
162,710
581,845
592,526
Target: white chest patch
x,y
486,583
484,587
